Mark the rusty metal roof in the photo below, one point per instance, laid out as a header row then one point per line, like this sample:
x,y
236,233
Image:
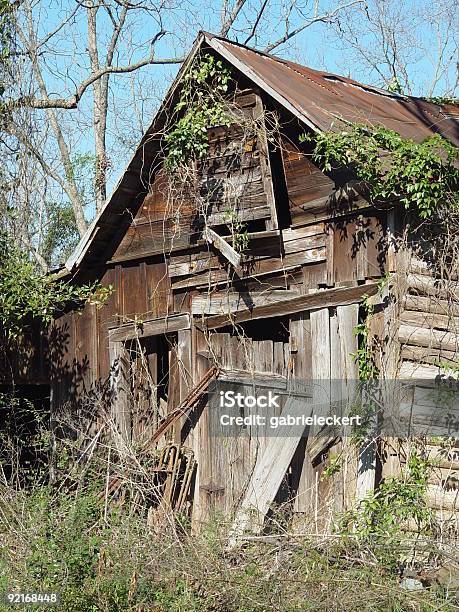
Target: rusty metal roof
x,y
319,99
323,99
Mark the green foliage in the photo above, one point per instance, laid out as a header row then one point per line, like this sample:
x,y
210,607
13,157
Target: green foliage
x,y
421,176
364,356
58,541
60,232
104,557
334,467
443,100
398,503
25,294
239,232
200,106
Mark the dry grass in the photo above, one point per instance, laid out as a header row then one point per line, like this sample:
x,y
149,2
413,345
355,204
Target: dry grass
x,y
62,541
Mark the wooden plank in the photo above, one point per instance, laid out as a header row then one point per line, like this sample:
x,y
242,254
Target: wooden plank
x,y
304,243
418,266
120,387
318,299
300,345
133,290
279,365
251,267
158,290
247,377
314,276
303,231
320,338
434,287
444,457
227,302
301,359
265,163
410,369
150,327
440,499
185,358
199,438
193,263
432,305
432,338
155,238
267,475
254,236
430,320
244,215
429,355
221,245
321,373
348,317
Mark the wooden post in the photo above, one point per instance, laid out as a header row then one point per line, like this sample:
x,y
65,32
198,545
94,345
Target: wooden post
x,y
120,387
199,438
300,337
348,318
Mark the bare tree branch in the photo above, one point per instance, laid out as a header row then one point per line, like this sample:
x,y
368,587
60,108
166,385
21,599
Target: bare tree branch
x,y
72,102
325,17
256,22
232,18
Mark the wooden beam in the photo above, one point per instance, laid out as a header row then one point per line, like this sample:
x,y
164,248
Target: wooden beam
x,y
251,236
417,371
429,338
432,286
340,296
428,355
222,302
221,245
267,475
270,379
420,303
120,388
430,320
150,327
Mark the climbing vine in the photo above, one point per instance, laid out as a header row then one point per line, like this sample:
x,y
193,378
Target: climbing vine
x,y
364,355
421,176
239,233
204,85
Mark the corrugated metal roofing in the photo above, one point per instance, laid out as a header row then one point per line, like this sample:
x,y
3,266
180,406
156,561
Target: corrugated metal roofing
x,y
319,99
323,98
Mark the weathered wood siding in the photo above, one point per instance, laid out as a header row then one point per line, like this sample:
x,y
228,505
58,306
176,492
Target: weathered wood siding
x,y
330,241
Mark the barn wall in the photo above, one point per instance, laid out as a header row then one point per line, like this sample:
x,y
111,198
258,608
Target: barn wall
x,y
428,345
328,238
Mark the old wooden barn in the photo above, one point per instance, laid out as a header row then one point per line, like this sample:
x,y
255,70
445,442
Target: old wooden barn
x,y
248,263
